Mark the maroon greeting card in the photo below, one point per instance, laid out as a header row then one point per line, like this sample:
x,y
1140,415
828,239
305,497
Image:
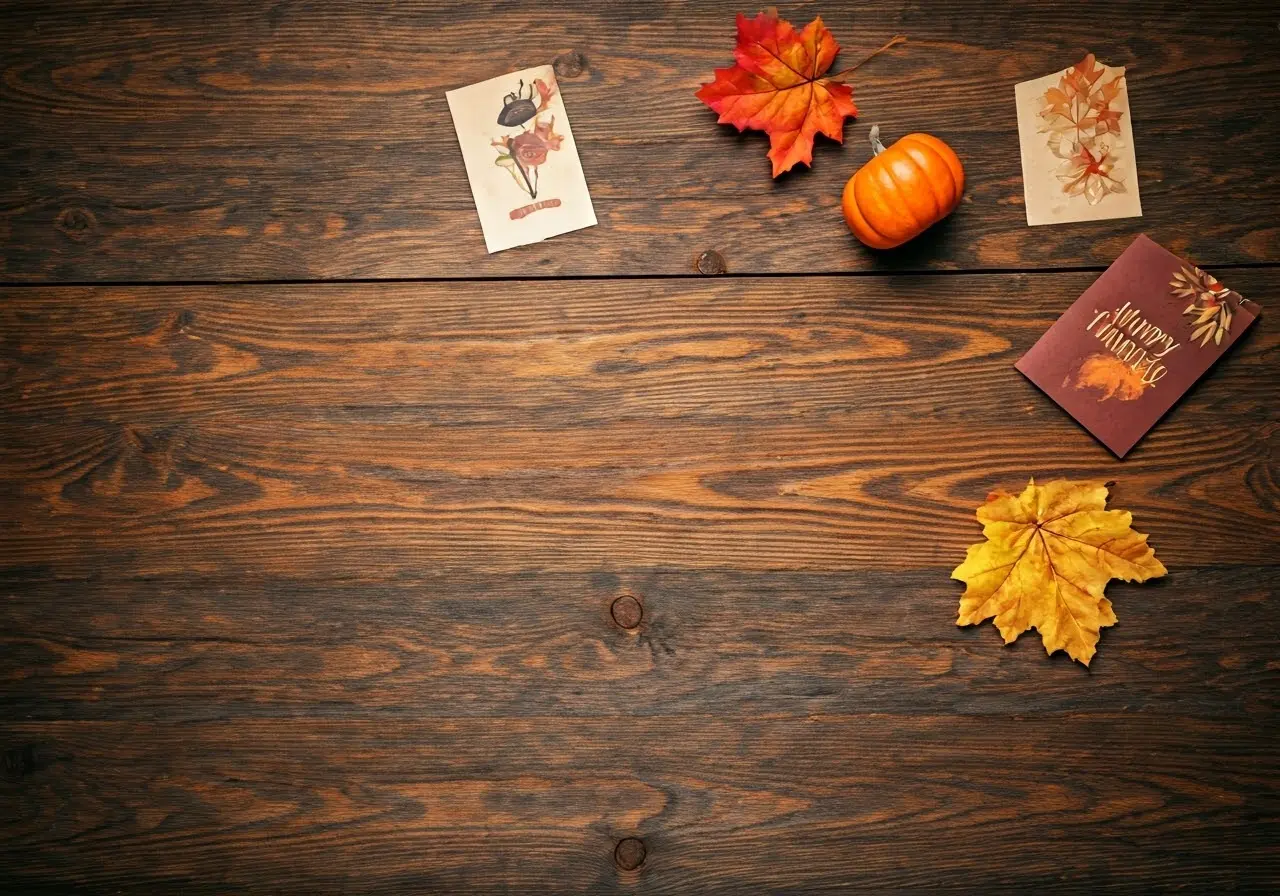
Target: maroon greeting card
x,y
1137,339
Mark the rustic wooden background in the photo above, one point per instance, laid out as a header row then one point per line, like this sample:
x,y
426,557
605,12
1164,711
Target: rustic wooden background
x,y
336,555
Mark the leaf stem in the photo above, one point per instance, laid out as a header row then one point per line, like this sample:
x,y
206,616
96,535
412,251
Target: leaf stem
x,y
533,193
897,39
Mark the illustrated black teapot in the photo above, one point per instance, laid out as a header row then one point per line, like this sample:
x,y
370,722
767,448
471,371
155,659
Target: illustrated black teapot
x,y
517,108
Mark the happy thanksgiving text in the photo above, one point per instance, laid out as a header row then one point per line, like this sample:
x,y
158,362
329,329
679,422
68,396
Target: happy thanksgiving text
x,y
1134,339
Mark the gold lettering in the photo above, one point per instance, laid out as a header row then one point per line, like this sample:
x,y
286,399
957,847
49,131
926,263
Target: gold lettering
x,y
1154,374
1100,316
1111,329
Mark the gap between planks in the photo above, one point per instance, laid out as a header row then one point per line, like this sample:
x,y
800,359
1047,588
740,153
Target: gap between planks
x,y
693,275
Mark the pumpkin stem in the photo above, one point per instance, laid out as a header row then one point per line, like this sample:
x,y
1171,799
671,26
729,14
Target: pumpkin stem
x,y
876,146
897,39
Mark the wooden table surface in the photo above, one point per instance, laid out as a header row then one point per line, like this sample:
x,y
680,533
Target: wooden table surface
x,y
315,520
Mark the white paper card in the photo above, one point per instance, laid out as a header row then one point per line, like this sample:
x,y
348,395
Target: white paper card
x,y
1078,160
521,160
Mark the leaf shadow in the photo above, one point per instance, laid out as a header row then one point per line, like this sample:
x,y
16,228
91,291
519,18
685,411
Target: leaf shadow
x,y
825,153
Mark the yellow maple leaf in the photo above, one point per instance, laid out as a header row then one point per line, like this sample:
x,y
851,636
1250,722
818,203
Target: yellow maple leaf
x,y
1049,554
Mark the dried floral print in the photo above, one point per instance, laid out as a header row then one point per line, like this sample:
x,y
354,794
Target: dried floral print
x,y
1083,128
523,153
1209,311
1091,173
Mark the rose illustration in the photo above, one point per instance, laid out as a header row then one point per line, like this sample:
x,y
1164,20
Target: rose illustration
x,y
529,149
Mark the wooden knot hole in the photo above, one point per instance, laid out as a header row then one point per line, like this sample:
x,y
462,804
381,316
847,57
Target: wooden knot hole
x,y
629,853
75,223
570,65
627,612
711,262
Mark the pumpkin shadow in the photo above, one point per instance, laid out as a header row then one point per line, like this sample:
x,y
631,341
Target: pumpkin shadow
x,y
919,254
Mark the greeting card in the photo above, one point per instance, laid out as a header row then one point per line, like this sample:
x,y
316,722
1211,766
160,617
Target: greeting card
x,y
1135,341
1078,161
521,160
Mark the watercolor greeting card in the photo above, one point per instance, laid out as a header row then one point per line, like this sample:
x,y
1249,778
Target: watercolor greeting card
x,y
521,160
1135,341
1078,161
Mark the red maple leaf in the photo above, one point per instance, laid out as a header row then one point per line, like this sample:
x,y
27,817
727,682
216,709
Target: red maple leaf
x,y
778,87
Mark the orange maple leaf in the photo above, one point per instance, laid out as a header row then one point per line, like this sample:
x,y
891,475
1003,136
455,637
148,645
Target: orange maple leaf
x,y
1049,554
777,87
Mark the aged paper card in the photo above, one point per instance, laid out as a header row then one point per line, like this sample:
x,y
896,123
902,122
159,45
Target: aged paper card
x,y
1135,342
521,160
1078,161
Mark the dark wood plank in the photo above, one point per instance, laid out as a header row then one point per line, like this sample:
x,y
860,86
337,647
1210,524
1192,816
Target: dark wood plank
x,y
578,355
226,141
308,588
278,495
117,646
707,424
1074,803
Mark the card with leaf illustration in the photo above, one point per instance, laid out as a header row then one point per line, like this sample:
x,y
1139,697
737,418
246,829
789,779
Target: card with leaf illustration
x,y
521,160
1078,160
1135,342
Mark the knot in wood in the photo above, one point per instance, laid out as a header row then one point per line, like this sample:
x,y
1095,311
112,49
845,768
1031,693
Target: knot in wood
x,y
629,853
570,65
75,222
711,262
627,611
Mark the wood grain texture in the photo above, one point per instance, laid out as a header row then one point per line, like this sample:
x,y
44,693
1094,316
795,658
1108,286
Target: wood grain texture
x,y
224,141
198,647
307,589
730,423
805,804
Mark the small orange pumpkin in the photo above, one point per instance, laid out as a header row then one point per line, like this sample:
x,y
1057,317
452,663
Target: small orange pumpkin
x,y
903,190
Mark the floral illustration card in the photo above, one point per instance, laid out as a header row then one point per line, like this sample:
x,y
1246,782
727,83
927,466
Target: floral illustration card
x,y
521,160
1135,341
1078,161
